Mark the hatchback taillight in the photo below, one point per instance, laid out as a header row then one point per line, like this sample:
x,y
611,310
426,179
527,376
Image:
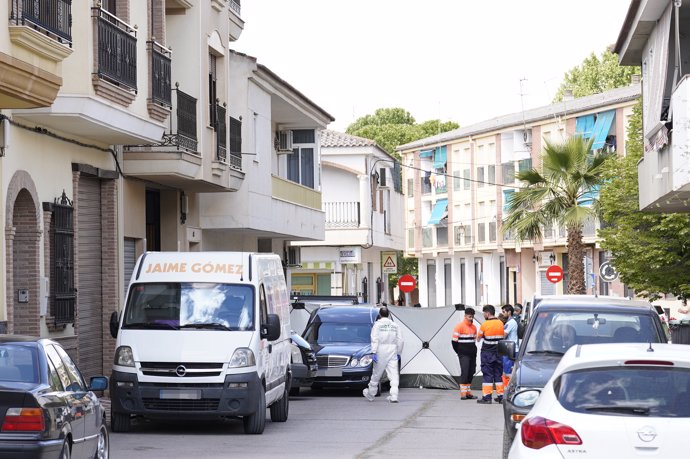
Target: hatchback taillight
x,y
24,420
538,432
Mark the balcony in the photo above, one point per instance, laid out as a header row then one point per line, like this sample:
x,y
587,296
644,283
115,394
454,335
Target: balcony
x,y
175,161
42,30
342,215
116,57
160,89
664,171
236,22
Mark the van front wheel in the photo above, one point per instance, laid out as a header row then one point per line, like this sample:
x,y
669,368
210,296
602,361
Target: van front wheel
x,y
254,423
279,410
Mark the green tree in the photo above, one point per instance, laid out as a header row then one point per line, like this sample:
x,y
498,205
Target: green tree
x,y
558,193
391,127
651,251
596,75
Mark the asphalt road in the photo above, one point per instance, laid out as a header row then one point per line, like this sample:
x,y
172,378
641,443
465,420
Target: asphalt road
x,y
427,423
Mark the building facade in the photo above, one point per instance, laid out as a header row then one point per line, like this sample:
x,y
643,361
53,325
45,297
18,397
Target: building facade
x,y
456,185
128,126
363,206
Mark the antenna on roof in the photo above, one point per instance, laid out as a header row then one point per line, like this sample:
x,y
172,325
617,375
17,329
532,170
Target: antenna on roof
x,y
522,104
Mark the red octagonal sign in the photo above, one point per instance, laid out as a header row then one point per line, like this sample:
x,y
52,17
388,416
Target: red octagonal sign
x,y
554,274
406,283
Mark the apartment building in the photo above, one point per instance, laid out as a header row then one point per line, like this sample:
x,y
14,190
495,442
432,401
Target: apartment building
x,y
129,126
363,206
456,185
652,37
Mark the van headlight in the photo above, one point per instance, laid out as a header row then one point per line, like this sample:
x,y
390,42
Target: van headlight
x,y
124,357
242,357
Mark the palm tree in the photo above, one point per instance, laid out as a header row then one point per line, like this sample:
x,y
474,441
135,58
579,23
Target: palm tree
x,y
563,193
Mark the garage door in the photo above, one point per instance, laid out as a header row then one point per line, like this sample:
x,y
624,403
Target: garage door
x,y
89,295
129,261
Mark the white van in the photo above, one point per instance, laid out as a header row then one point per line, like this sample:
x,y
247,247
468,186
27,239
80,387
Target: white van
x,y
203,335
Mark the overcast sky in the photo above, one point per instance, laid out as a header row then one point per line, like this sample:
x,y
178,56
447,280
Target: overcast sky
x,y
459,60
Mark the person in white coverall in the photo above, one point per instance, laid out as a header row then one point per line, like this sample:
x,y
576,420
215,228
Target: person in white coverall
x,y
386,345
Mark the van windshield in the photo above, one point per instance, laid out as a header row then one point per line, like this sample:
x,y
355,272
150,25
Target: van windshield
x,y
174,305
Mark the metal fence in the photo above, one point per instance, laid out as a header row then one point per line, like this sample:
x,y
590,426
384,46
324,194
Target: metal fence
x,y
117,49
52,16
161,74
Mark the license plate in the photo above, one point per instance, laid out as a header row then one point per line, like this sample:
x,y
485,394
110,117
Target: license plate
x,y
184,394
330,372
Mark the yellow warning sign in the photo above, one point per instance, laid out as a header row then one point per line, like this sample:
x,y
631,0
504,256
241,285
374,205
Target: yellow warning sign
x,y
389,262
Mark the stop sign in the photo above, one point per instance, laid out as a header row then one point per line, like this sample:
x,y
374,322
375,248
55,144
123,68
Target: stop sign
x,y
406,283
554,274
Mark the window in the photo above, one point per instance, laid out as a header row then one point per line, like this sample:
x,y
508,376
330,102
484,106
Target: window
x,y
54,358
410,238
235,137
508,172
212,90
492,231
492,174
524,165
448,283
77,383
463,281
300,164
480,176
456,180
466,175
410,188
468,234
54,378
481,235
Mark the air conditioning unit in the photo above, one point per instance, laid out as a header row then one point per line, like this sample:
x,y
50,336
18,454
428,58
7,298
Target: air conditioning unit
x,y
284,142
383,181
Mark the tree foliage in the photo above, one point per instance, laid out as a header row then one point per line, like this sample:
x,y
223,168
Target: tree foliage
x,y
596,75
391,127
559,193
651,251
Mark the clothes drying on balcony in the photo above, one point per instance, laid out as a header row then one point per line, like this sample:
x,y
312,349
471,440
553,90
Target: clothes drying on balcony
x,y
439,212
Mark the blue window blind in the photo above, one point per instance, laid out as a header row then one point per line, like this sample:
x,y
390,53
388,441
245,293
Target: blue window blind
x,y
506,197
588,197
601,128
426,153
584,125
439,212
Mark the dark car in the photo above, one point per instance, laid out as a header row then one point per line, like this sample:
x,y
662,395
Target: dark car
x,y
341,337
46,407
302,363
556,324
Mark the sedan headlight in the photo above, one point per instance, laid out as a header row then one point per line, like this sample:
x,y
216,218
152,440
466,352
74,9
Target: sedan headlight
x,y
365,361
242,357
124,357
526,398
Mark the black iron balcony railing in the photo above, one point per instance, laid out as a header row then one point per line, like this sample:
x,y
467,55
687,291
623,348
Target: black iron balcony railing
x,y
161,91
185,137
235,6
221,134
51,16
235,143
117,49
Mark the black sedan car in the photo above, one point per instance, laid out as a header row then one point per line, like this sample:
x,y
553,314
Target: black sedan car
x,y
341,337
302,363
46,408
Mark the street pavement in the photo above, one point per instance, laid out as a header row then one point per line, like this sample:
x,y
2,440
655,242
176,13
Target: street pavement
x,y
335,424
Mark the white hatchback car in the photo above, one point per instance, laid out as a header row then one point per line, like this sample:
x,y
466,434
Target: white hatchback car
x,y
610,400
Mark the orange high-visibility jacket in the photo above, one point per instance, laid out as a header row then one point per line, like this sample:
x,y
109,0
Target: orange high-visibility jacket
x,y
492,331
464,338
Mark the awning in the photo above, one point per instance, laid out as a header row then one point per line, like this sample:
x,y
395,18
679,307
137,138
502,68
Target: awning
x,y
440,157
588,197
584,125
506,198
426,153
439,212
601,128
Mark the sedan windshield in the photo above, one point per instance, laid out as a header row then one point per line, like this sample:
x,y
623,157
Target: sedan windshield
x,y
626,391
555,331
338,332
192,306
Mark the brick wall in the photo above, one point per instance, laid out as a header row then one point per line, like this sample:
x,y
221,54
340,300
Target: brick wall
x,y
25,264
110,260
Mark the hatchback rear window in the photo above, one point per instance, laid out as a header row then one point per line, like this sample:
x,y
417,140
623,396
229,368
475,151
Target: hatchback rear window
x,y
626,391
556,331
18,363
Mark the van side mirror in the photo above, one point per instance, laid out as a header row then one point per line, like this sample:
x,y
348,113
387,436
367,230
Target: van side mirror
x,y
507,348
114,323
270,330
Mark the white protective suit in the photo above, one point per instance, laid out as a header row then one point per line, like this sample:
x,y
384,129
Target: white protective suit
x,y
387,344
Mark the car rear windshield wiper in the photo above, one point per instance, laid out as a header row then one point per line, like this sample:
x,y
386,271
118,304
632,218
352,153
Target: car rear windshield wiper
x,y
544,351
145,325
638,410
207,325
